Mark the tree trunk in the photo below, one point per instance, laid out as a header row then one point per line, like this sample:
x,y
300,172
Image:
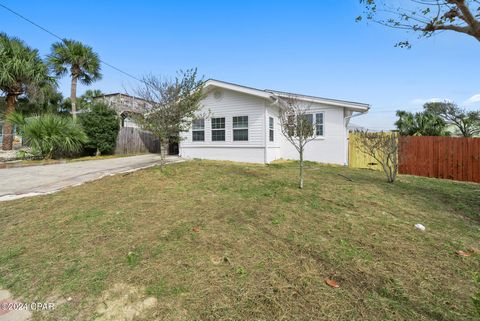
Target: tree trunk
x,y
98,153
301,169
163,152
73,96
7,141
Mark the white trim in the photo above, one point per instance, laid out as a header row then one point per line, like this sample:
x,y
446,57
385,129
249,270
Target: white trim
x,y
198,130
218,129
323,124
238,88
271,129
240,128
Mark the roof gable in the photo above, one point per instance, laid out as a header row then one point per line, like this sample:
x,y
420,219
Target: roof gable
x,y
274,95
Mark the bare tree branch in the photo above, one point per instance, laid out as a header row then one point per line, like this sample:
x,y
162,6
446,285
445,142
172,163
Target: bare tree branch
x,y
383,147
173,104
426,17
296,123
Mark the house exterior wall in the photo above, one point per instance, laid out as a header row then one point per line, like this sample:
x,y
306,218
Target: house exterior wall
x,y
274,149
327,149
229,104
258,149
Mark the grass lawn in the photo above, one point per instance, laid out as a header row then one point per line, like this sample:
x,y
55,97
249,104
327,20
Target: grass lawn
x,y
224,241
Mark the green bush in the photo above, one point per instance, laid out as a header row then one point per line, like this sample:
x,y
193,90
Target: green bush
x,y
101,124
50,135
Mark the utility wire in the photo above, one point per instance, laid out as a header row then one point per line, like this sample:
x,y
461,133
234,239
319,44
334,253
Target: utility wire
x,y
62,39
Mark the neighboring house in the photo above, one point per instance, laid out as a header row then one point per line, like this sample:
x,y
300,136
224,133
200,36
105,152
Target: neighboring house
x,y
125,106
243,125
131,139
354,127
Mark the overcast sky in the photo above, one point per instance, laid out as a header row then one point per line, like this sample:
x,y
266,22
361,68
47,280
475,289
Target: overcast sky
x,y
309,47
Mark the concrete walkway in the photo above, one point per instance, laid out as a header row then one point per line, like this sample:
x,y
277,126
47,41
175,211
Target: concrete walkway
x,y
10,309
37,180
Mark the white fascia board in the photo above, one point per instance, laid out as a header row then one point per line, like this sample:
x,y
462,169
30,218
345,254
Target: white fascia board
x,y
237,88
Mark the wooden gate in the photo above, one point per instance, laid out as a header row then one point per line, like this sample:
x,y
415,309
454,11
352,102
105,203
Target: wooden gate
x,y
136,141
357,158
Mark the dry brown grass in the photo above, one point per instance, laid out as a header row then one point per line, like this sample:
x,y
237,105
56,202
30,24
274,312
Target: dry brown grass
x,y
261,249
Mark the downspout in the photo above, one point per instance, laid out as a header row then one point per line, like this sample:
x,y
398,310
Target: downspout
x,y
346,120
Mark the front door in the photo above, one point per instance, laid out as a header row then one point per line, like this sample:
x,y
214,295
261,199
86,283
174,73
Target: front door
x,y
173,147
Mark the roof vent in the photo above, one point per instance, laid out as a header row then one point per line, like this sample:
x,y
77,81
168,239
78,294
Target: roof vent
x,y
217,94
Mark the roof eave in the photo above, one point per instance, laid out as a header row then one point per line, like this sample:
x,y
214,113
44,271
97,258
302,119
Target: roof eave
x,y
238,88
272,95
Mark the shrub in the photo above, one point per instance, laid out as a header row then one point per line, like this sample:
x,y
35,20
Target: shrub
x,y
101,124
50,135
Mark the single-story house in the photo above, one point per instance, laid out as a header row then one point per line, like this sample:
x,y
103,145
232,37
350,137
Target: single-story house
x,y
243,125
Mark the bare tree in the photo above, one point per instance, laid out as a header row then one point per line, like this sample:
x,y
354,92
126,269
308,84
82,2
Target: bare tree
x,y
173,104
383,147
297,126
426,17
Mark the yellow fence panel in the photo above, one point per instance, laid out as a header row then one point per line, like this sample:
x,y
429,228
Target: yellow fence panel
x,y
357,158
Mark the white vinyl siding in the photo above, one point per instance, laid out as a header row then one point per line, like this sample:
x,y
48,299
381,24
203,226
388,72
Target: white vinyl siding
x,y
231,104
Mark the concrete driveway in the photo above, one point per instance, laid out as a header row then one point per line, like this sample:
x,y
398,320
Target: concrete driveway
x,y
37,180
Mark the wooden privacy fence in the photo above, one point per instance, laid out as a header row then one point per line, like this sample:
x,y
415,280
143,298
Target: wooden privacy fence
x,y
135,141
456,158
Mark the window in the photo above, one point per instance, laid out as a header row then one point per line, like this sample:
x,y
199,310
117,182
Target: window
x,y
198,130
270,126
309,117
240,128
319,124
218,129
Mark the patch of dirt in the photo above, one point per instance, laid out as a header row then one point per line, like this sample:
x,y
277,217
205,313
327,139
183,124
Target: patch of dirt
x,y
124,302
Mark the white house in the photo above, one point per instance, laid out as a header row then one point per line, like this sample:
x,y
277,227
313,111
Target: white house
x,y
243,125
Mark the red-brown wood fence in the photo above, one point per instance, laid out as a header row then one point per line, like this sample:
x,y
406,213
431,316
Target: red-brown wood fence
x,y
454,158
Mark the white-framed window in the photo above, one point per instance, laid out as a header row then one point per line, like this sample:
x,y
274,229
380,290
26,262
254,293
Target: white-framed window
x,y
218,129
240,128
271,129
198,130
319,124
317,120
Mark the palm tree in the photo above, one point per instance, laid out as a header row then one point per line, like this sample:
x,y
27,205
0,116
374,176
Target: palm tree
x,y
78,59
22,71
420,124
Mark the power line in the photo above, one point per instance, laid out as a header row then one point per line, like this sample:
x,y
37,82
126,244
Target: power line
x,y
62,39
